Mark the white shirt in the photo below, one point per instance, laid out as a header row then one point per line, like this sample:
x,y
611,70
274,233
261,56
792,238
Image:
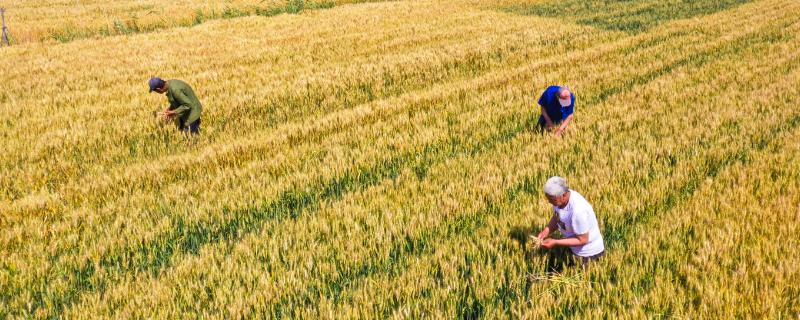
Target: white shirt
x,y
576,218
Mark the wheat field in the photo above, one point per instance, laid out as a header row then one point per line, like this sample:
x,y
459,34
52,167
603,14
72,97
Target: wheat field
x,y
380,159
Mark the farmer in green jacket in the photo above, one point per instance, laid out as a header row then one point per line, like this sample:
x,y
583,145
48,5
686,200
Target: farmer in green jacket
x,y
184,107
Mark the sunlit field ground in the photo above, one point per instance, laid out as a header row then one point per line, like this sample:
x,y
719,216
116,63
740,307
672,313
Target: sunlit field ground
x,y
380,160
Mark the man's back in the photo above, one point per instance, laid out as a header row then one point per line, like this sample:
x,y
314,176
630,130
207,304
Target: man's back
x,y
181,94
549,101
578,217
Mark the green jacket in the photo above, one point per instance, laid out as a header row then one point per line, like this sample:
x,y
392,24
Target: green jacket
x,y
184,102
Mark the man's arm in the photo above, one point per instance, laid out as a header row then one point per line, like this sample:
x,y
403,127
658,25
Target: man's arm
x,y
549,228
577,240
183,105
547,120
542,101
581,224
563,126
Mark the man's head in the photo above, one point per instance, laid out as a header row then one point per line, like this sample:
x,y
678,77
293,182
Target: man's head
x,y
557,191
564,96
157,84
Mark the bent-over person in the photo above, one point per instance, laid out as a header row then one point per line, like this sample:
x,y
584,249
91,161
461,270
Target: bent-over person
x,y
184,107
558,105
575,219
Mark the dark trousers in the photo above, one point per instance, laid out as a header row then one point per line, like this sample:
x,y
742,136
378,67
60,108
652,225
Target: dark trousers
x,y
586,260
560,258
193,128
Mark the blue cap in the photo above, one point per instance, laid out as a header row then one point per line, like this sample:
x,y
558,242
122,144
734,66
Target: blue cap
x,y
156,83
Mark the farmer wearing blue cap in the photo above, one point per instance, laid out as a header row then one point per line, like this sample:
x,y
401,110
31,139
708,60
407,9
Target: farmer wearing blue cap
x,y
184,107
557,104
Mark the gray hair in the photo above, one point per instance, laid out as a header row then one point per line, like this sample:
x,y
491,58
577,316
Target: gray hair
x,y
563,89
556,187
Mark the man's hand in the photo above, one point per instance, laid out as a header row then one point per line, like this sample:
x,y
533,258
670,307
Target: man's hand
x,y
561,128
543,234
549,243
168,114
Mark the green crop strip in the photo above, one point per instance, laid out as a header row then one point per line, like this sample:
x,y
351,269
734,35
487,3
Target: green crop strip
x,y
627,16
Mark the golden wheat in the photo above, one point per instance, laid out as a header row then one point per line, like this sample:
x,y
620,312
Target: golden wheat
x,y
381,161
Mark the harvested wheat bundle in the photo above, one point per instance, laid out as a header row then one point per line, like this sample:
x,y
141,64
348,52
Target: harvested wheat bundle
x,y
534,243
558,281
559,278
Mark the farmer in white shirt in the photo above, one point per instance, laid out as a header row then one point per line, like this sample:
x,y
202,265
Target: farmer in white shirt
x,y
575,219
